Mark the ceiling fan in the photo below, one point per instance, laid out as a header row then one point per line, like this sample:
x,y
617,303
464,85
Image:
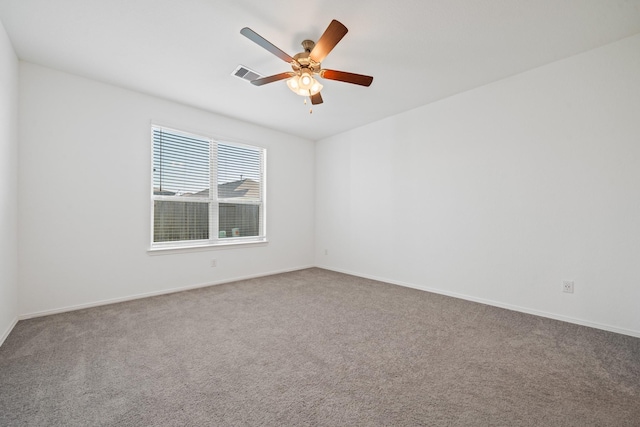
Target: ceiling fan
x,y
306,65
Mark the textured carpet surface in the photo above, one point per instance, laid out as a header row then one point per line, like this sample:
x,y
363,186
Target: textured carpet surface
x,y
314,348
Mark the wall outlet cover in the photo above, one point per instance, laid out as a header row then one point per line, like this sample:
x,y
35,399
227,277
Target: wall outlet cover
x,y
567,286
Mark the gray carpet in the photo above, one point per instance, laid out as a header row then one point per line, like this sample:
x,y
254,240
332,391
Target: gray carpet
x,y
314,348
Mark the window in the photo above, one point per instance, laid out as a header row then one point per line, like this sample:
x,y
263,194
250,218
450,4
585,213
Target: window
x,y
185,212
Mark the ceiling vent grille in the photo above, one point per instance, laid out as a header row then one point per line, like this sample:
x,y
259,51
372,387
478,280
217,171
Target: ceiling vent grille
x,y
245,73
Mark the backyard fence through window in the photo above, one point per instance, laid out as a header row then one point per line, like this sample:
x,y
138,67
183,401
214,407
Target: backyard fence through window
x,y
186,212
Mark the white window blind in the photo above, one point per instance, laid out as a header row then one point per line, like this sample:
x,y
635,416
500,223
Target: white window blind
x,y
185,210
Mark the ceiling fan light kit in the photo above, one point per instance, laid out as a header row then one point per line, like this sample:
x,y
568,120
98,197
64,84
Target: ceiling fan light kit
x,y
306,65
304,85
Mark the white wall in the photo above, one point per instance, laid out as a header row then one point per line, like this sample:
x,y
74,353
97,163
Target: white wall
x,y
500,193
8,186
84,186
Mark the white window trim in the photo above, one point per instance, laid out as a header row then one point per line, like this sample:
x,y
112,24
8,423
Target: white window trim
x,y
214,240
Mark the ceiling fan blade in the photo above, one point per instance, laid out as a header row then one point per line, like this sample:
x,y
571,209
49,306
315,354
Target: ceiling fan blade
x,y
316,99
271,79
328,40
266,44
343,76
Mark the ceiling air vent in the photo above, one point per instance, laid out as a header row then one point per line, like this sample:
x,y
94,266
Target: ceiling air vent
x,y
245,73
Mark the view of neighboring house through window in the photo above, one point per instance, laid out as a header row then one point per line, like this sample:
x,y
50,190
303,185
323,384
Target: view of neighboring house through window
x,y
185,212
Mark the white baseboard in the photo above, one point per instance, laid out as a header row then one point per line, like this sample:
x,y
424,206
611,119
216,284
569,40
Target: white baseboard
x,y
366,276
8,331
152,294
526,310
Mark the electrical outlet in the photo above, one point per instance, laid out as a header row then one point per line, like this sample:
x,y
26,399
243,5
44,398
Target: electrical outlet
x,y
214,263
326,252
567,286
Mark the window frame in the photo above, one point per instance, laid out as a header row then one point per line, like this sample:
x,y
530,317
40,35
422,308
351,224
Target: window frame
x,y
213,200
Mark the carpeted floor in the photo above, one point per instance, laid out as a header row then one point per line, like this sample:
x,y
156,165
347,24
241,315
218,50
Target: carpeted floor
x,y
314,348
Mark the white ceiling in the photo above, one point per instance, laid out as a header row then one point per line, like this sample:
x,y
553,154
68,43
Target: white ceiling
x,y
418,51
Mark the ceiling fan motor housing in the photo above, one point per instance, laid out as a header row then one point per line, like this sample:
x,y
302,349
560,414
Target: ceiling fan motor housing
x,y
302,61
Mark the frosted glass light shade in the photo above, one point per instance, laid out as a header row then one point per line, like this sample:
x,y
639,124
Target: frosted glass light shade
x,y
304,85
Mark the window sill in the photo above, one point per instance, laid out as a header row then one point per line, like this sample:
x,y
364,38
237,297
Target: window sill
x,y
166,250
